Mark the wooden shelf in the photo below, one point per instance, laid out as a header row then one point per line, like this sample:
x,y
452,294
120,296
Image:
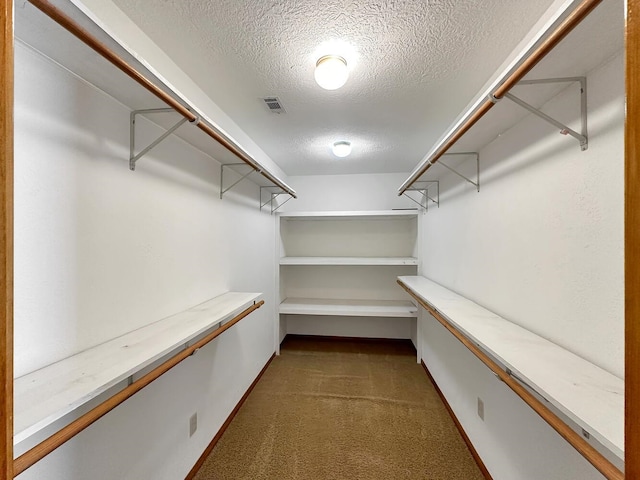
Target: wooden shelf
x,y
46,395
35,31
349,308
349,215
598,38
348,261
588,395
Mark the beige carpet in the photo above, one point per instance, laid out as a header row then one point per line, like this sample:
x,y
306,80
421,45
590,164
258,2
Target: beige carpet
x,y
342,410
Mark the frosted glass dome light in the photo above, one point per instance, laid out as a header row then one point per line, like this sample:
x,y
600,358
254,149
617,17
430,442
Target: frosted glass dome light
x,y
341,149
331,72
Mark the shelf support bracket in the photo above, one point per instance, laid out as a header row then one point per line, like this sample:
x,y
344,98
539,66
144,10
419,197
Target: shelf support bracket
x,y
273,196
422,187
476,155
133,157
564,130
225,190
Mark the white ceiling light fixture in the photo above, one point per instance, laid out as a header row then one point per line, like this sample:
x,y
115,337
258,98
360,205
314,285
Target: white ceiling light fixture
x,y
341,149
331,72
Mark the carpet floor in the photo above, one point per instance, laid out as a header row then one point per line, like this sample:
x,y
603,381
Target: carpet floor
x,y
342,410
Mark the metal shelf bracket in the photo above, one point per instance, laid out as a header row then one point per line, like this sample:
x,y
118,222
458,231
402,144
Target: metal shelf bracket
x,y
273,198
225,190
475,155
564,130
133,157
422,187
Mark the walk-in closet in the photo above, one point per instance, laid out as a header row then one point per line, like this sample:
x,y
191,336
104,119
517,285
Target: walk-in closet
x,y
316,240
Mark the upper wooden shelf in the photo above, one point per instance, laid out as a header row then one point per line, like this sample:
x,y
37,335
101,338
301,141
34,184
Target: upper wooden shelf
x,y
588,395
596,39
46,395
56,43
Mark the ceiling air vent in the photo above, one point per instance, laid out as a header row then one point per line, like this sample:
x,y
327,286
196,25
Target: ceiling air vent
x,y
273,104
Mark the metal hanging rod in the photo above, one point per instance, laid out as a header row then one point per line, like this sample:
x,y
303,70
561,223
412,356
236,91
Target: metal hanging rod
x,y
529,59
75,29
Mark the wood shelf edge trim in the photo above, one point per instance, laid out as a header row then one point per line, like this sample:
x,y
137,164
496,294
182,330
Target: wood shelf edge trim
x,y
595,458
463,434
207,451
47,446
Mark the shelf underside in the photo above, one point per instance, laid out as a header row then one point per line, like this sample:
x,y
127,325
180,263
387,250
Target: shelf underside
x,y
350,308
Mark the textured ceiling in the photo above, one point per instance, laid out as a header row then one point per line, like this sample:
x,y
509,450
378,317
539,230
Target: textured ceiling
x,y
414,65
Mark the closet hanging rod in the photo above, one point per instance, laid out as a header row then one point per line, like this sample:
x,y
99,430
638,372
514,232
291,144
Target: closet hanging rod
x,y
577,441
44,448
75,29
529,59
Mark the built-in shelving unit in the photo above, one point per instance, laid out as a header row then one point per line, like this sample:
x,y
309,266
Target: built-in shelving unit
x,y
50,393
344,264
576,389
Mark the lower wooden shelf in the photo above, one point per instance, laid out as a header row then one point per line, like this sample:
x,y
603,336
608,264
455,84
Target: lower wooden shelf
x,y
586,394
351,308
46,395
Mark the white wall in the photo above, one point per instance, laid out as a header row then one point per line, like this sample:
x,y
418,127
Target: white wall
x,y
348,192
541,245
101,250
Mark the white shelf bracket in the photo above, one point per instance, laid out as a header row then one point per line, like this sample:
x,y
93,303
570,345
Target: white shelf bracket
x,y
133,157
475,155
273,197
564,130
422,187
222,167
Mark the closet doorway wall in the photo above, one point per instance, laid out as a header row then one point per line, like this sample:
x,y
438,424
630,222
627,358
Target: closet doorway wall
x,y
6,240
632,241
